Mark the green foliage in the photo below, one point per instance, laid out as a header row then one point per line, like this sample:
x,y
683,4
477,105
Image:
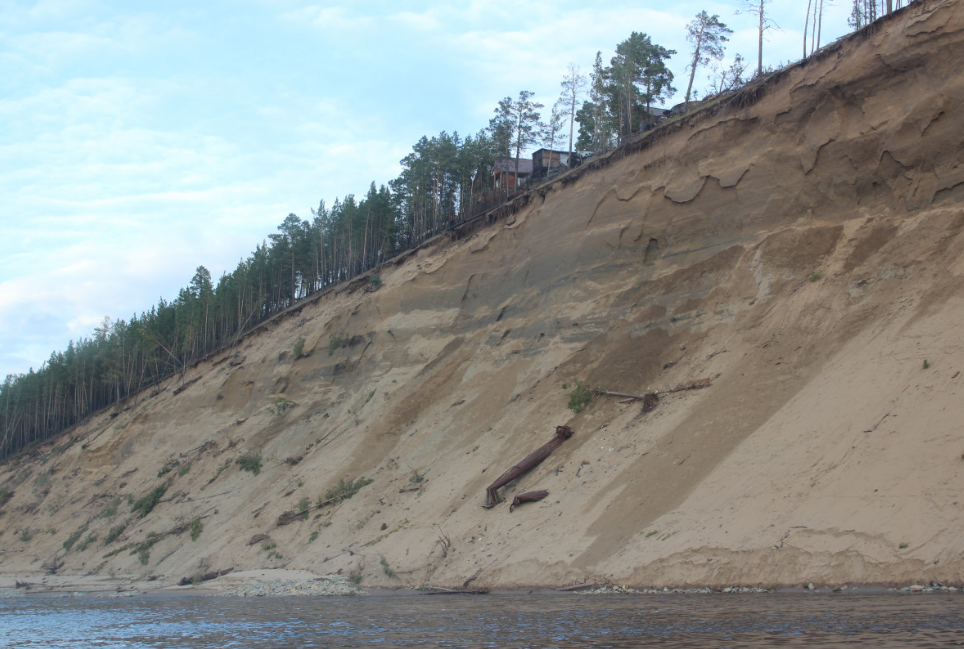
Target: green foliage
x,y
927,364
110,510
163,471
816,276
114,533
375,280
250,462
342,491
145,504
281,405
86,542
196,529
184,470
335,341
143,549
313,537
355,578
581,396
5,496
303,505
416,477
707,35
299,347
387,569
73,538
904,546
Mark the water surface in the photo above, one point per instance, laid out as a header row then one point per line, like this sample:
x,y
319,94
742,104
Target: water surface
x,y
511,620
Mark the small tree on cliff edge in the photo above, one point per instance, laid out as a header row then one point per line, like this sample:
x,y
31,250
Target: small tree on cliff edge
x,y
708,35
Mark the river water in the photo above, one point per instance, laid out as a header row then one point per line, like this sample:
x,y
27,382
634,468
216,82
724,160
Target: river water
x,y
495,620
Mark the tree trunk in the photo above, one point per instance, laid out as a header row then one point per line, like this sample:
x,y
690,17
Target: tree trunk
x,y
806,26
819,23
696,58
759,63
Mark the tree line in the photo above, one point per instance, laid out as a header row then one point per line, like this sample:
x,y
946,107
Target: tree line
x,y
444,180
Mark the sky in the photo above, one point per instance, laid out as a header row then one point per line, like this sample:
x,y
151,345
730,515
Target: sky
x,y
139,141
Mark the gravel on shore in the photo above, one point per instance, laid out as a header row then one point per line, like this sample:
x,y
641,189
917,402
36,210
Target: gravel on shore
x,y
319,586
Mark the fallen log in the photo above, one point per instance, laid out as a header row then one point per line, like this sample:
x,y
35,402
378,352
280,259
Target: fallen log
x,y
438,590
292,515
492,497
528,497
597,584
651,399
208,576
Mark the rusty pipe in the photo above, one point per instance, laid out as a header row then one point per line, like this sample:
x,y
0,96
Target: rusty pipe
x,y
528,497
492,497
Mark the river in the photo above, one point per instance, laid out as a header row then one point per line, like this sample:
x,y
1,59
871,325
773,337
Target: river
x,y
495,620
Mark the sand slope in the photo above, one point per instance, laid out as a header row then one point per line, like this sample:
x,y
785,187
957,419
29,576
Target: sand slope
x,y
801,247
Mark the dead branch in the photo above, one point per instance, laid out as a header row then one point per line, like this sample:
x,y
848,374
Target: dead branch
x,y
438,590
208,576
595,584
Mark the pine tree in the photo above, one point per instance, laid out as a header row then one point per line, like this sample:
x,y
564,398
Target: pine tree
x,y
707,35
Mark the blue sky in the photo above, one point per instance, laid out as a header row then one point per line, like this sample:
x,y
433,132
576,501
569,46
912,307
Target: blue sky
x,y
141,140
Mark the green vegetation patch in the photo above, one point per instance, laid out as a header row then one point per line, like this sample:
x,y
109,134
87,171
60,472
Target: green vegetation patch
x,y
387,569
342,491
143,549
145,504
281,405
299,346
5,496
73,538
114,533
581,396
110,510
335,341
250,462
196,528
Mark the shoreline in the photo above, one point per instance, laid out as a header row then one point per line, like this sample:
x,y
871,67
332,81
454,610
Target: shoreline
x,y
303,583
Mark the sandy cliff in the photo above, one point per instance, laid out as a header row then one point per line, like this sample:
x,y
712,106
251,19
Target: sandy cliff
x,y
801,245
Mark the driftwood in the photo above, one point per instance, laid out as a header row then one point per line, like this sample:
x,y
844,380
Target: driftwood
x,y
208,576
580,587
438,590
528,497
291,516
258,538
651,399
492,497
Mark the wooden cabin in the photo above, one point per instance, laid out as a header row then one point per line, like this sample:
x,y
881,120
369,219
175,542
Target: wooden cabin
x,y
505,173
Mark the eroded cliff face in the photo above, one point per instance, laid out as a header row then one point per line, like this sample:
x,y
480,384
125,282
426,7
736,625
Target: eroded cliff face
x,y
802,248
